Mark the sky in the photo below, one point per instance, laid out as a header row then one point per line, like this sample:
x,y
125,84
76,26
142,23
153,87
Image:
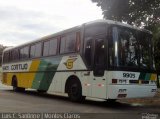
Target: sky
x,y
27,20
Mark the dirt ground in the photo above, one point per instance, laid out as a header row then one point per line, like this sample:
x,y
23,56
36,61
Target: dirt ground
x,y
147,101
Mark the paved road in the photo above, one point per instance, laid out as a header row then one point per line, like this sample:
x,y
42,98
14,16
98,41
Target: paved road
x,y
31,101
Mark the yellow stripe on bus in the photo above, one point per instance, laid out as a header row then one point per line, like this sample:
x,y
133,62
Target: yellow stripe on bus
x,y
25,79
34,69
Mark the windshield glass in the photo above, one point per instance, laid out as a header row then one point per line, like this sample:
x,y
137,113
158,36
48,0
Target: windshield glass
x,y
130,48
145,50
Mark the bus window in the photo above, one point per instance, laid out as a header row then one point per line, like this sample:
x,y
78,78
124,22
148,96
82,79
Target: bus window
x,y
32,51
24,53
99,52
68,43
128,48
88,49
36,50
6,57
95,30
50,47
53,47
145,50
46,48
14,55
62,45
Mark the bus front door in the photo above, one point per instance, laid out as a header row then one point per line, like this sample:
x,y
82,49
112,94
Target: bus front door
x,y
99,80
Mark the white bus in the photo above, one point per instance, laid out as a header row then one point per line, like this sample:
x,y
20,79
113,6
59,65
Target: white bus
x,y
101,59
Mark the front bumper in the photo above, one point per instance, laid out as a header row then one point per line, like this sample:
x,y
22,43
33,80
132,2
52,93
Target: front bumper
x,y
131,91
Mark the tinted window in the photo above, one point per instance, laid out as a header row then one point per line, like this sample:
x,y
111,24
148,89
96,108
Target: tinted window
x,y
50,47
36,50
46,48
6,57
94,30
53,47
14,54
68,43
127,47
99,52
88,51
32,51
145,50
124,47
24,52
63,42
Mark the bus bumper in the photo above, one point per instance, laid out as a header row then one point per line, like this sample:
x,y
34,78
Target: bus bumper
x,y
131,91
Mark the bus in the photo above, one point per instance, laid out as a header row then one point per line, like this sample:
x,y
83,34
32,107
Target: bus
x,y
101,59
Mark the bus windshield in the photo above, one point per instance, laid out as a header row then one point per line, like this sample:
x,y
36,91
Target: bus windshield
x,y
131,48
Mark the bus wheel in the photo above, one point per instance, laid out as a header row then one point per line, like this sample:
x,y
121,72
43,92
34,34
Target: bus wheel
x,y
75,91
15,87
41,91
111,101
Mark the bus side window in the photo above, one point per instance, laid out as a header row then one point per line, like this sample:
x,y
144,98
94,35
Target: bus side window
x,y
32,51
53,47
24,53
68,43
36,50
6,57
14,55
62,44
46,48
50,47
88,49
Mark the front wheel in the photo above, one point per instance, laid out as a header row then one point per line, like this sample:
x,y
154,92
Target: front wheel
x,y
111,101
15,87
75,91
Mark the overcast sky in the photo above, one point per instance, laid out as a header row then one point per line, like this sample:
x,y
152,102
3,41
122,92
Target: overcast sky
x,y
25,20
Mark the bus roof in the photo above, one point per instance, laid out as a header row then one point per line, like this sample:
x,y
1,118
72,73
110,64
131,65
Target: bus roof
x,y
78,27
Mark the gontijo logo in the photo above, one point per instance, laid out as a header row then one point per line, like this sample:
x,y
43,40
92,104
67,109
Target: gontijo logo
x,y
69,63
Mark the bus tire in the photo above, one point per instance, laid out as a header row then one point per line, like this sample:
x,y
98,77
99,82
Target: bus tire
x,y
111,101
75,91
15,87
41,91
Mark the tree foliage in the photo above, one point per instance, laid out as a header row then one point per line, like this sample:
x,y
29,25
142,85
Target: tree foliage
x,y
156,37
137,12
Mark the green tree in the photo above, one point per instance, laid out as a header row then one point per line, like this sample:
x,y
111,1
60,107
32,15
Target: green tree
x,y
137,12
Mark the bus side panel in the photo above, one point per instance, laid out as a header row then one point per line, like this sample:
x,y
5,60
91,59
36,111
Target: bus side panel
x,y
7,78
45,72
67,67
25,79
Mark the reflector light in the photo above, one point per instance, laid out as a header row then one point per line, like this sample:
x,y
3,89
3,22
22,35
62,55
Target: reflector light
x,y
87,84
114,80
100,85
